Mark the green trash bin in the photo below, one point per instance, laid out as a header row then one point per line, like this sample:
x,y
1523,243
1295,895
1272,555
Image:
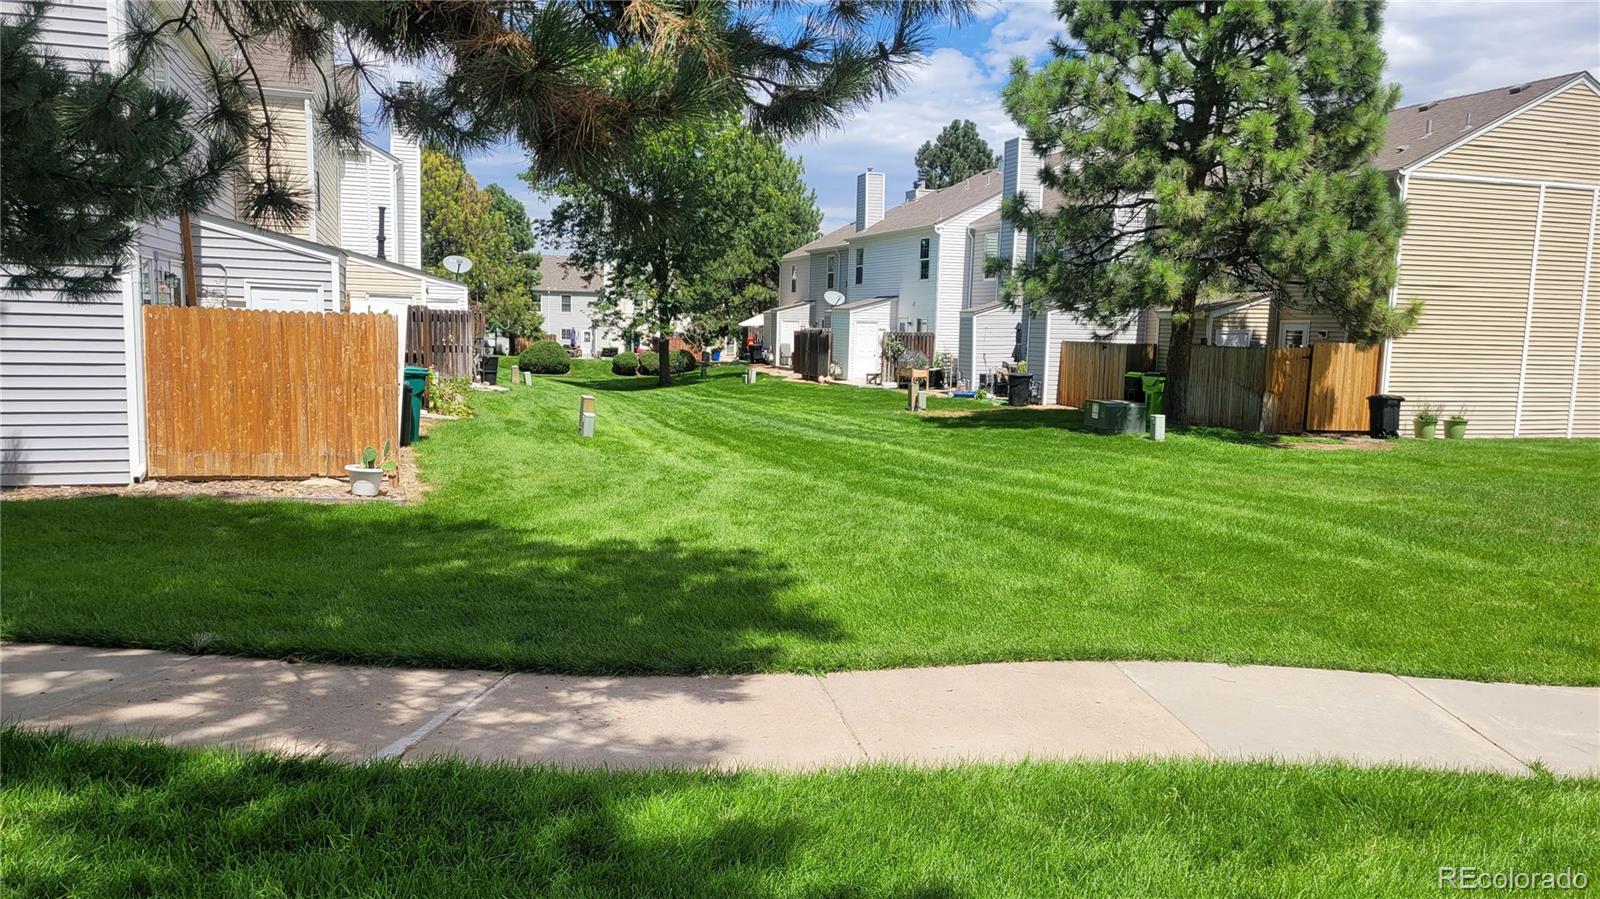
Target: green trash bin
x,y
417,380
1155,388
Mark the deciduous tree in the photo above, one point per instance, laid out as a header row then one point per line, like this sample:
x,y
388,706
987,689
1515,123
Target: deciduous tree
x,y
460,219
690,229
1211,146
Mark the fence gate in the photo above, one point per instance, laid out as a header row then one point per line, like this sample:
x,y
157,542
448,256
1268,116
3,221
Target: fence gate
x,y
242,393
913,341
1323,387
813,350
446,340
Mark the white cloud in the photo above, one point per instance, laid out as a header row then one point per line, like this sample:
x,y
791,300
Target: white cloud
x,y
1024,30
1442,49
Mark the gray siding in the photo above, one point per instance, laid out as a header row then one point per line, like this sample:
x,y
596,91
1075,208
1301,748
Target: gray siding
x,y
227,262
63,391
987,340
74,30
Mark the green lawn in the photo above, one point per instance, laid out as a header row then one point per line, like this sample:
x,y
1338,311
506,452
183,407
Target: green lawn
x,y
125,818
715,526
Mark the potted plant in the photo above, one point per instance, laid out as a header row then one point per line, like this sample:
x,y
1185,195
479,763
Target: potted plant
x,y
1019,385
1426,422
366,474
1455,427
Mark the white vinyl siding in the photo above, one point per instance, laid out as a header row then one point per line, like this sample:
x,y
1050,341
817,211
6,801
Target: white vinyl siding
x,y
74,31
441,293
64,405
230,265
981,290
1045,333
951,264
856,334
577,321
370,182
987,340
288,157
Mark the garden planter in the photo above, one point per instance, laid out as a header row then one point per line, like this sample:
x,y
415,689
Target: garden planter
x,y
1455,429
364,481
1424,430
1019,389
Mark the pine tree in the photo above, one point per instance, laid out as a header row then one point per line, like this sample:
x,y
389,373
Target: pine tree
x,y
1211,147
958,153
88,156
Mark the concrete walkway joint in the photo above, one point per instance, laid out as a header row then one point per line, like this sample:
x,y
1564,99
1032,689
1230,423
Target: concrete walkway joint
x,y
993,713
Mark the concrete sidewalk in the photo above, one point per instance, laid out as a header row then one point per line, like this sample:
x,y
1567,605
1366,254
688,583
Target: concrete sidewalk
x,y
995,712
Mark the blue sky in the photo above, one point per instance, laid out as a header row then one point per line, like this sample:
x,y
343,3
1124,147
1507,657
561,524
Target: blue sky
x,y
1436,49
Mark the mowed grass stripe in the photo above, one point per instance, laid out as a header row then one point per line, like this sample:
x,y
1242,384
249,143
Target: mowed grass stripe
x,y
718,526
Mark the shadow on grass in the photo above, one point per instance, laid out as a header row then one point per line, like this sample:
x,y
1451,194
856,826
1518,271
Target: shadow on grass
x,y
140,819
390,585
1250,438
1003,417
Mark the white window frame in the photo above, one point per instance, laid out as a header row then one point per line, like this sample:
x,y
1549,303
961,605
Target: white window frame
x,y
566,302
833,264
924,258
861,262
1301,325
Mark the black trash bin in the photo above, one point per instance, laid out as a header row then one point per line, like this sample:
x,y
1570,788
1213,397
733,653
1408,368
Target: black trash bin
x,y
1383,411
1019,389
408,424
489,369
1133,387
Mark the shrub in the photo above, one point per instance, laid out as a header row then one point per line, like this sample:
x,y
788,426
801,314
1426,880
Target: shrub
x,y
545,357
448,396
625,364
682,361
649,363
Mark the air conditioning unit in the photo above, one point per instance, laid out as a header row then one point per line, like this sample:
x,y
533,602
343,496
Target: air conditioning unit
x,y
1115,417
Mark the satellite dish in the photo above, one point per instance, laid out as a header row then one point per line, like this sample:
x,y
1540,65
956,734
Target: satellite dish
x,y
457,265
832,297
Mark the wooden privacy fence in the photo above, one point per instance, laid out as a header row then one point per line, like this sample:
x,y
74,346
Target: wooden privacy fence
x,y
240,393
813,350
1225,386
913,341
1323,387
1091,370
446,340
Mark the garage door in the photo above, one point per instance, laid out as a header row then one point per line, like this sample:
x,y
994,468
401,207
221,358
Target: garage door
x,y
285,297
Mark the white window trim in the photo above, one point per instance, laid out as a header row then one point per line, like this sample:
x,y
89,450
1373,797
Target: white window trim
x,y
1298,324
1527,321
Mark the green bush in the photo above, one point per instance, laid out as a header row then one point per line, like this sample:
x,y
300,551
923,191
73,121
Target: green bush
x,y
625,364
649,363
682,361
448,396
545,357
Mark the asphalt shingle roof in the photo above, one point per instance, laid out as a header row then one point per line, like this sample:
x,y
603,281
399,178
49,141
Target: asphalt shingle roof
x,y
932,208
556,276
1454,118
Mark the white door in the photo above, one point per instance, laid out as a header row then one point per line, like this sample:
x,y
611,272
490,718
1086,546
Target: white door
x,y
786,329
285,297
865,355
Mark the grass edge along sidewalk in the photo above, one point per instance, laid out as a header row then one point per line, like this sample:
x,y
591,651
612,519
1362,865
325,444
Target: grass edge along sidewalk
x,y
102,818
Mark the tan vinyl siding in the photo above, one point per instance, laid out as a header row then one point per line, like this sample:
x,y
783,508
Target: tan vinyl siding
x,y
1557,140
288,156
1563,241
364,278
1466,256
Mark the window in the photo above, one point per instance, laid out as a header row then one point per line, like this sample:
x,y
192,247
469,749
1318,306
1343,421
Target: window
x,y
566,302
794,279
991,248
861,256
833,263
1295,334
922,259
570,335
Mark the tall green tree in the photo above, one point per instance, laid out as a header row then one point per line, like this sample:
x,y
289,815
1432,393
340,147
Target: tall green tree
x,y
576,83
519,228
689,229
958,153
1212,146
88,156
460,219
